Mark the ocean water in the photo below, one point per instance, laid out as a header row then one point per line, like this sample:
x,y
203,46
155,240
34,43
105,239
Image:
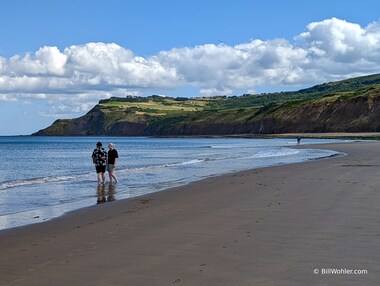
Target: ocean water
x,y
45,177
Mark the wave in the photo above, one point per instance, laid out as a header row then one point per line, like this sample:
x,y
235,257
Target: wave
x,y
142,168
63,178
224,147
37,181
190,162
158,166
268,154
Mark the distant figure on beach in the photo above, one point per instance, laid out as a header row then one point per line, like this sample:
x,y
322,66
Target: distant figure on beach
x,y
111,162
99,158
298,140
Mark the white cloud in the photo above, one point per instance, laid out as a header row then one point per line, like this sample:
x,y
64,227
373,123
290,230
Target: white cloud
x,y
328,50
337,42
47,61
215,91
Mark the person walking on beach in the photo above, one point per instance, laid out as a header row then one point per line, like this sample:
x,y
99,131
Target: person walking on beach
x,y
111,162
99,158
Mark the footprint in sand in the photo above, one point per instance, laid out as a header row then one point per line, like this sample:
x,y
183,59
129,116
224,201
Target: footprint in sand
x,y
145,201
202,265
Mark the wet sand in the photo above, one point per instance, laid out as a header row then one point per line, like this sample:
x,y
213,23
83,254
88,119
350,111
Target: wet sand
x,y
270,226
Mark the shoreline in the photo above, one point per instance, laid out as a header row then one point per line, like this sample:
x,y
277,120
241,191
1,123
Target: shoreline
x,y
292,135
51,212
255,227
142,196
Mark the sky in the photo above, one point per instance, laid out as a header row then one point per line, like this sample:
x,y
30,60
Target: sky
x,y
58,58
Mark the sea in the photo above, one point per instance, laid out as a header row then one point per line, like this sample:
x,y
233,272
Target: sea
x,y
42,178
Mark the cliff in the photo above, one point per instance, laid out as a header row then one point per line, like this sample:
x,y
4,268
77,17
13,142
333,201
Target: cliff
x,y
347,106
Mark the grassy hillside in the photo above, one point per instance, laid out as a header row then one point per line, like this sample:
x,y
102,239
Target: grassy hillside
x,y
349,105
239,109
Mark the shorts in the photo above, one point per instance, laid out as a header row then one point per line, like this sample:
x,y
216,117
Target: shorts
x,y
110,168
100,169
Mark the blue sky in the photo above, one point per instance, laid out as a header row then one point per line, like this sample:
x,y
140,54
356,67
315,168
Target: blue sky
x,y
58,58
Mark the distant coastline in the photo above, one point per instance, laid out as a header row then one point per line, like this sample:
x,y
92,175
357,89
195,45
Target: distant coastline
x,y
329,135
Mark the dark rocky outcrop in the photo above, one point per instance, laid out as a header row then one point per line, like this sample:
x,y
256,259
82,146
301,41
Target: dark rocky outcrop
x,y
90,124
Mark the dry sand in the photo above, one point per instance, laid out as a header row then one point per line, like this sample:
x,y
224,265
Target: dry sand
x,y
270,226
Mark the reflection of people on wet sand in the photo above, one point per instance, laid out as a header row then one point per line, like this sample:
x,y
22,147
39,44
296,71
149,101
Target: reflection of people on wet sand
x,y
101,191
298,140
111,192
105,193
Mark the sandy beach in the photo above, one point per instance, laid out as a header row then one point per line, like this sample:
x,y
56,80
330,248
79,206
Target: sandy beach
x,y
284,225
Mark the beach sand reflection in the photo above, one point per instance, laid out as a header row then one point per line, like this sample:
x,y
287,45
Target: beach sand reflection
x,y
105,193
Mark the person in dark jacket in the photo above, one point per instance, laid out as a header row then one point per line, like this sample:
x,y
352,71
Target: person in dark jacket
x,y
99,158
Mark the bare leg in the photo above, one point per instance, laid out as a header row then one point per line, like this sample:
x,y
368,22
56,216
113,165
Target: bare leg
x,y
113,176
101,178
